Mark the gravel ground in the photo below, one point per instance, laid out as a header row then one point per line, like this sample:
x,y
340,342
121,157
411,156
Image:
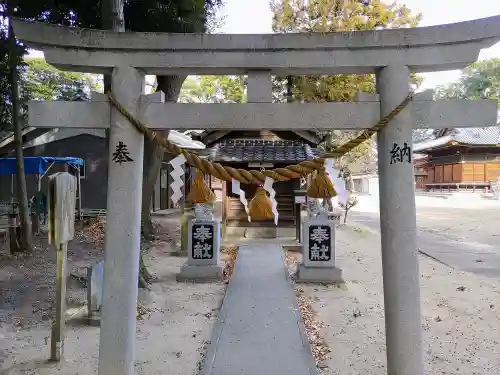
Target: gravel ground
x,y
460,318
467,219
470,225
175,330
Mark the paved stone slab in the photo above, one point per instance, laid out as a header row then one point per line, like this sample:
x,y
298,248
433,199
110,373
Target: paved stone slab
x,y
259,329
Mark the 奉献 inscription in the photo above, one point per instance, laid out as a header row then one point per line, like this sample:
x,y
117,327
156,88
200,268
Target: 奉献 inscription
x,y
121,154
320,243
400,154
203,241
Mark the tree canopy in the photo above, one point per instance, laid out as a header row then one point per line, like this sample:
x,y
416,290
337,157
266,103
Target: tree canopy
x,y
339,16
144,15
213,89
42,81
176,16
480,80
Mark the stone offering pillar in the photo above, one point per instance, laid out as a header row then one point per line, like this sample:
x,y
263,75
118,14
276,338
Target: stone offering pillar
x,y
398,228
318,252
204,233
123,230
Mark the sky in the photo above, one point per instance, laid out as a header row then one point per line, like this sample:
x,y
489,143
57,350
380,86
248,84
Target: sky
x,y
255,17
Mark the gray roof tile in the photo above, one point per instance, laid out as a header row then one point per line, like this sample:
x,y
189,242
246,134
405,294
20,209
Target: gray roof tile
x,y
258,150
472,136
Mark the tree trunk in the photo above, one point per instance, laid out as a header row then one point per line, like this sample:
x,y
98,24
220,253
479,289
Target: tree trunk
x,y
22,193
112,15
289,89
153,154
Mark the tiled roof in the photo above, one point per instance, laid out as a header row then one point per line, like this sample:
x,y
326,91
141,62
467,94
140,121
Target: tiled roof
x,y
471,136
259,150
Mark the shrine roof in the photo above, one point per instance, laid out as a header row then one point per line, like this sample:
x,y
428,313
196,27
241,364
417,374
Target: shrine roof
x,y
261,151
211,137
472,136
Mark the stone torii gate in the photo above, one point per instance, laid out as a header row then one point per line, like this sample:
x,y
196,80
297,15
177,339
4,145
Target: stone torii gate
x,y
390,54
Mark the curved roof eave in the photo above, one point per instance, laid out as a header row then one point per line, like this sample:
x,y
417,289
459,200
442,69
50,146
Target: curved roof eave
x,y
183,140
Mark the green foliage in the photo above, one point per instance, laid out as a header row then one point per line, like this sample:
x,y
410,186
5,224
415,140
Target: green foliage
x,y
480,80
144,15
42,81
213,89
321,16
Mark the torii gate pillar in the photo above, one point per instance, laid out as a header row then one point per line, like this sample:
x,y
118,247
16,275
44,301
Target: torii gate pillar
x,y
123,229
398,228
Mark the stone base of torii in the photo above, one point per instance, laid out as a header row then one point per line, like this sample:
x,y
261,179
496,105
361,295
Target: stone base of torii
x,y
391,54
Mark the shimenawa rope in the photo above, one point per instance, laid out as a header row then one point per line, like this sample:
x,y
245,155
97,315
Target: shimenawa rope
x,y
254,176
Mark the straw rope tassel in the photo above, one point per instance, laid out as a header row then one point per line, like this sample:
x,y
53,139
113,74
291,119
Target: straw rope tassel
x,y
255,177
321,186
260,207
200,192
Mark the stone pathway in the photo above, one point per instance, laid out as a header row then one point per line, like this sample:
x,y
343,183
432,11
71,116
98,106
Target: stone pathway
x,y
260,329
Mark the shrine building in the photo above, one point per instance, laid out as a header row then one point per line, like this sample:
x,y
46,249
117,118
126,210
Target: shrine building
x,y
466,159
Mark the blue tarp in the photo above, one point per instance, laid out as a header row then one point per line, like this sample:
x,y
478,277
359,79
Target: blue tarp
x,y
35,164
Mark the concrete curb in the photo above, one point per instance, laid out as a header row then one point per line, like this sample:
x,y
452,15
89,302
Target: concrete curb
x,y
211,352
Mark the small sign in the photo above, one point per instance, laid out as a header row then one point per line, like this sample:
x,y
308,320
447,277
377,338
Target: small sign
x,y
61,208
320,249
300,199
202,241
260,165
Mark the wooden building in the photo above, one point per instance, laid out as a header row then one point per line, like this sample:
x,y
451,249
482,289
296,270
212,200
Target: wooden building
x,y
90,145
420,162
459,160
257,150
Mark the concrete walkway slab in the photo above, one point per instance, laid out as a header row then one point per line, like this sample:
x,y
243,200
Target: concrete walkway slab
x,y
259,330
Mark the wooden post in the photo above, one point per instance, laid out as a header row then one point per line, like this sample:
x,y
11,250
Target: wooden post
x,y
299,200
58,325
297,222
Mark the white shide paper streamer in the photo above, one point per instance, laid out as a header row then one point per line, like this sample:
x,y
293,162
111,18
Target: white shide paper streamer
x,y
268,186
236,189
177,173
338,183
